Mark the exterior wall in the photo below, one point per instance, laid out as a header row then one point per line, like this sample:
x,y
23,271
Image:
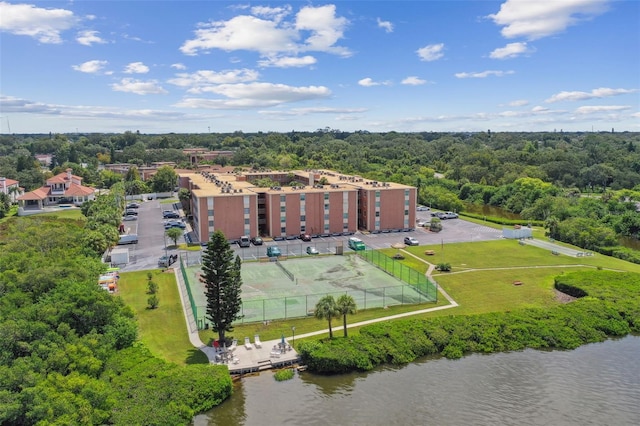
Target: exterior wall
x,y
234,215
380,208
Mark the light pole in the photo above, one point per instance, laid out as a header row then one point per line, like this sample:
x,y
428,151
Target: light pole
x,y
293,330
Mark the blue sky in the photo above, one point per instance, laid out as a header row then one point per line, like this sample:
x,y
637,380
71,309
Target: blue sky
x,y
213,66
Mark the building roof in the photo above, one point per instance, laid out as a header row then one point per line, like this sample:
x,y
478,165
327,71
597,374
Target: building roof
x,y
208,184
38,194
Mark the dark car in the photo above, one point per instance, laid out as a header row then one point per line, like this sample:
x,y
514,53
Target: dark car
x,y
166,261
305,237
174,224
170,214
256,241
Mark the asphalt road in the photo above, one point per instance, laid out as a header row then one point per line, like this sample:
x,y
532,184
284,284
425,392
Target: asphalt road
x,y
152,244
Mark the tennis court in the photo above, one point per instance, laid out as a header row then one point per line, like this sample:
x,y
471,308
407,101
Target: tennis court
x,y
291,288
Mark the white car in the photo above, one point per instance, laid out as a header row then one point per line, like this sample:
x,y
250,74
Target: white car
x,y
410,241
130,217
422,209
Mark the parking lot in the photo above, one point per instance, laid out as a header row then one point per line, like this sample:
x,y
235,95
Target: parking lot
x,y
152,243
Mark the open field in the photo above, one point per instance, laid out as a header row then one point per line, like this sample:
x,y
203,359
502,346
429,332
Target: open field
x,y
481,281
163,330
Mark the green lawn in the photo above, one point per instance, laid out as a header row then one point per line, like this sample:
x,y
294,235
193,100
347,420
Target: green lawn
x,y
482,280
163,330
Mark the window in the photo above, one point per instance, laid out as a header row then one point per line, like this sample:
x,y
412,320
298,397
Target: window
x,y
406,212
283,198
283,230
303,229
246,211
377,214
210,212
326,195
283,219
247,221
326,217
283,209
303,197
345,215
377,203
326,206
211,223
303,218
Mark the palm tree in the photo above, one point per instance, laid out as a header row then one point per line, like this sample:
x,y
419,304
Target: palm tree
x,y
326,308
346,306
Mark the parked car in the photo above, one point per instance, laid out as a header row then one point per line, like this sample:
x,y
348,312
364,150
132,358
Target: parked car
x,y
273,251
166,261
174,224
422,209
305,237
130,212
170,214
257,241
450,215
128,239
133,205
130,217
356,244
410,241
312,251
244,241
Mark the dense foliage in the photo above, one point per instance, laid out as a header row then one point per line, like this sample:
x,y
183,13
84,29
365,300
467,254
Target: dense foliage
x,y
609,306
66,354
543,176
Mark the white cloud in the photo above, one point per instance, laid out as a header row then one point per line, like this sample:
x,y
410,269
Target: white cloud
x,y
87,38
519,102
90,67
431,52
270,35
511,50
385,25
314,110
136,68
253,95
139,87
199,81
326,28
275,13
17,105
539,109
288,61
45,25
179,66
602,92
601,108
369,82
413,81
483,74
537,19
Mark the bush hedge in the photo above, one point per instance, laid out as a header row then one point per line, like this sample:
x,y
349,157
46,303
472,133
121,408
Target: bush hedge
x,y
609,306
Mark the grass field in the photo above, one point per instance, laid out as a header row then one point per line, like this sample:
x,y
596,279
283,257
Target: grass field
x,y
481,281
164,329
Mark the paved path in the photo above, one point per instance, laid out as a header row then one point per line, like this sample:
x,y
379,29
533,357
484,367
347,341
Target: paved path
x,y
245,359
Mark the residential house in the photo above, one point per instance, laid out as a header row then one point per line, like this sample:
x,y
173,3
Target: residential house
x,y
63,188
11,188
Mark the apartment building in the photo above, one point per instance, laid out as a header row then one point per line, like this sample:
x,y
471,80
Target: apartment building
x,y
315,202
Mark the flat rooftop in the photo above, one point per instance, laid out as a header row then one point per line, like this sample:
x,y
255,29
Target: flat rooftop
x,y
232,184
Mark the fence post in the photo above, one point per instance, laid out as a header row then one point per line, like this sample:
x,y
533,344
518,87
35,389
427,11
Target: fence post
x,y
285,308
263,312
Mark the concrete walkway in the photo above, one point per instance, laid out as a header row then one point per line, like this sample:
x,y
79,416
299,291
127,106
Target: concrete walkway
x,y
251,358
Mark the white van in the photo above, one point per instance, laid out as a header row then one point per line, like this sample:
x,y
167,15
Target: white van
x,y
128,239
245,241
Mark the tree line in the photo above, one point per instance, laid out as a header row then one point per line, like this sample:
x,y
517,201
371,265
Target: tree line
x,y
68,349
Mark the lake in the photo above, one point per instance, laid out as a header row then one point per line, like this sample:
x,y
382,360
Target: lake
x,y
596,384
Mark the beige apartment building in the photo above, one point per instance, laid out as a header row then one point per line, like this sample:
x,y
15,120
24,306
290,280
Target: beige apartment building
x,y
316,202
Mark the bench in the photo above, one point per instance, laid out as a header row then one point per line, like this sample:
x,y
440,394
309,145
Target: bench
x,y
429,252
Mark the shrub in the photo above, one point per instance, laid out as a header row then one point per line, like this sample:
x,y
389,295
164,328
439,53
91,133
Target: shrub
x,y
282,375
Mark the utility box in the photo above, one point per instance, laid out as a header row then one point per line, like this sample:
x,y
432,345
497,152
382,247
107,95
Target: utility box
x,y
120,256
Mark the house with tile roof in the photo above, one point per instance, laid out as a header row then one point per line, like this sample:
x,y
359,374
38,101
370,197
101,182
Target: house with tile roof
x,y
63,188
11,188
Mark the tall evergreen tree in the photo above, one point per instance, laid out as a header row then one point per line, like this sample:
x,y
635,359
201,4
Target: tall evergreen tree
x,y
221,276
